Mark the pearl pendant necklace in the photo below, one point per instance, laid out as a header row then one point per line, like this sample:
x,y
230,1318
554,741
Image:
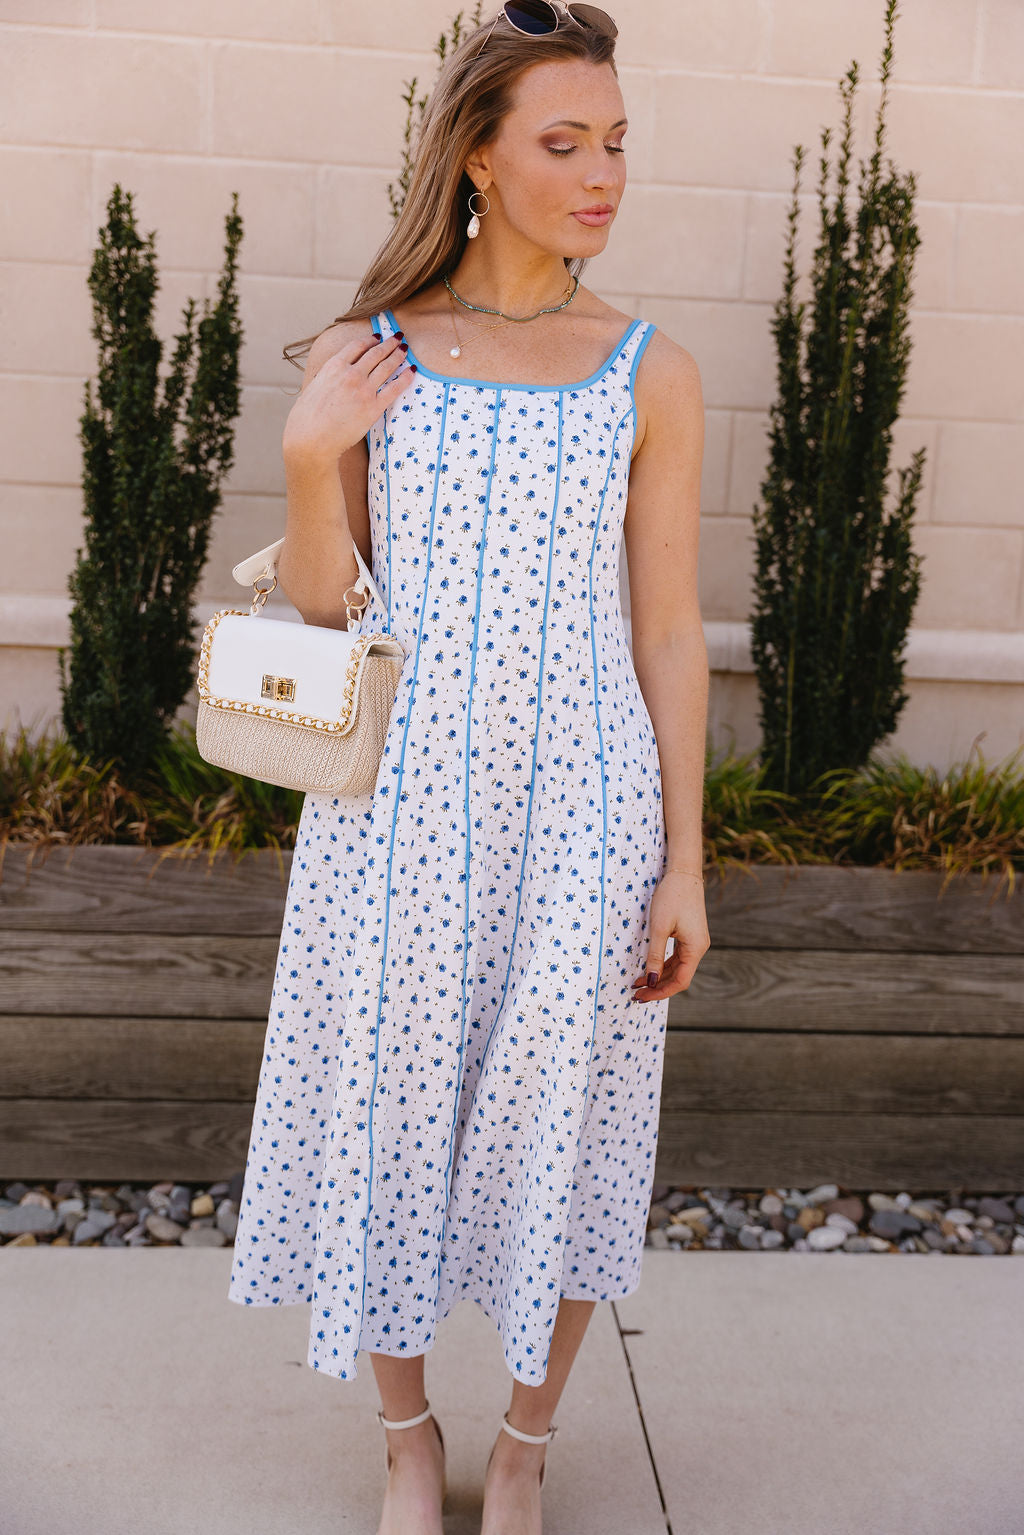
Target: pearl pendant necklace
x,y
456,350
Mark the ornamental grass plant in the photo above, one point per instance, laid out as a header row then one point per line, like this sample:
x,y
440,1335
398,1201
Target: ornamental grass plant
x,y
50,796
888,814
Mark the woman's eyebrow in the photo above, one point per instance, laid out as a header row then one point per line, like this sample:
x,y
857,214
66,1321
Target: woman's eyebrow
x,y
567,122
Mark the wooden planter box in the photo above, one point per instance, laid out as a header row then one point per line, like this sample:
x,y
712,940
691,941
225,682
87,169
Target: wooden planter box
x,y
846,1025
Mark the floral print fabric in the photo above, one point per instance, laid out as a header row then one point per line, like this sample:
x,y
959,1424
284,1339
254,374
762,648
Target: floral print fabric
x,y
458,1098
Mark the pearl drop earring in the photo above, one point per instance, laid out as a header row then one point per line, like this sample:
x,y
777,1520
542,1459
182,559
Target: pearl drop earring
x,y
473,227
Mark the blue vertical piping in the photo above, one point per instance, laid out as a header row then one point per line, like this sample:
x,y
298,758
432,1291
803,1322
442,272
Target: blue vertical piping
x,y
604,788
391,847
469,724
536,735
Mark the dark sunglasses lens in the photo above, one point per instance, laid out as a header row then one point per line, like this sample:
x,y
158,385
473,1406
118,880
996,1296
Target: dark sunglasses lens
x,y
531,16
592,16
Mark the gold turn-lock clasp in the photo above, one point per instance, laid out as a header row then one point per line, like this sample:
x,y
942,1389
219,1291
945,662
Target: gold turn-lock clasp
x,y
280,689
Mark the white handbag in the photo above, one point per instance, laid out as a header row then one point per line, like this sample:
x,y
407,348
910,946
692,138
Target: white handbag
x,y
298,705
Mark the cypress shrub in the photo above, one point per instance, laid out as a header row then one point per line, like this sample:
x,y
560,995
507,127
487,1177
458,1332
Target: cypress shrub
x,y
154,457
836,576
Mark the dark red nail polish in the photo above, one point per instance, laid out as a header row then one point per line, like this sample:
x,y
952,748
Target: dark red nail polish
x,y
398,333
414,367
652,979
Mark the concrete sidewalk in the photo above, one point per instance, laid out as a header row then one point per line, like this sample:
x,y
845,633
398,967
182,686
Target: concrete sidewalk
x,y
782,1394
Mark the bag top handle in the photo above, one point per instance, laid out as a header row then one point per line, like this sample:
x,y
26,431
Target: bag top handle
x,y
264,563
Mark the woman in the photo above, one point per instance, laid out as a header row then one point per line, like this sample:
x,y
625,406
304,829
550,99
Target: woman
x,y
460,1089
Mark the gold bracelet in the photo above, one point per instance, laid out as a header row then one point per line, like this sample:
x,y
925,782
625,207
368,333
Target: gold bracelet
x,y
689,873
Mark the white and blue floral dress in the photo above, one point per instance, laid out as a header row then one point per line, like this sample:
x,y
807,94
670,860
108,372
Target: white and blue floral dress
x,y
458,1096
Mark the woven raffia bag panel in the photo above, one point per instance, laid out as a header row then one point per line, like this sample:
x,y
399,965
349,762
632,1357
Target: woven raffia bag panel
x,y
296,757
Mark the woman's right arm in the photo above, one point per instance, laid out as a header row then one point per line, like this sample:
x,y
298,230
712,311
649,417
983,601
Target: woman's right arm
x,y
325,460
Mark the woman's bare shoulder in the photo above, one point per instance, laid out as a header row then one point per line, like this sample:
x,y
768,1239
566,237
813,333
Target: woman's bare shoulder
x,y
667,389
666,362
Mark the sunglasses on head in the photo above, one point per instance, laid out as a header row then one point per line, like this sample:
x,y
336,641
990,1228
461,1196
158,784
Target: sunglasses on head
x,y
538,18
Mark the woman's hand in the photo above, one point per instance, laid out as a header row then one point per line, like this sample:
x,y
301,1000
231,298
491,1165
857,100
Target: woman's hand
x,y
339,403
677,912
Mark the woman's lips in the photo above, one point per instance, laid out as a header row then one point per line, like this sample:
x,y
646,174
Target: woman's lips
x,y
595,219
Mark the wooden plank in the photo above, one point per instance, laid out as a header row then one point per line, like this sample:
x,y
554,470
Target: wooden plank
x,y
888,1152
143,975
110,1141
877,992
707,1072
151,975
138,890
124,889
189,1059
826,907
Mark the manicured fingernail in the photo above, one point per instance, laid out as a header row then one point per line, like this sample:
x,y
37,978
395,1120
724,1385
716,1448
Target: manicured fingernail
x,y
652,979
398,333
414,367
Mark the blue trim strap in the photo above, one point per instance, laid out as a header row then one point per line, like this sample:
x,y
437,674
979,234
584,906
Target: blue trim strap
x,y
641,346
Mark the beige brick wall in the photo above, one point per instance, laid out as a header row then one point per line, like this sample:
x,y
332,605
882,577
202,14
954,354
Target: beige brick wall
x,y
297,106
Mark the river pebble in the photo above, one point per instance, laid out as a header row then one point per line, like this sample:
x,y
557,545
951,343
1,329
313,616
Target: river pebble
x,y
683,1218
830,1218
69,1213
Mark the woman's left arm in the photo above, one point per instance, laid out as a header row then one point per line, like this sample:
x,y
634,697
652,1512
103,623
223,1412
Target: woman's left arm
x,y
661,530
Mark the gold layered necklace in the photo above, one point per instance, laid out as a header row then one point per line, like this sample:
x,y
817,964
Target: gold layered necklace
x,y
506,319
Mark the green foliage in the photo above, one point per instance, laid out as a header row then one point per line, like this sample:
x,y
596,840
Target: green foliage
x,y
414,105
200,807
50,796
889,814
836,576
970,817
153,465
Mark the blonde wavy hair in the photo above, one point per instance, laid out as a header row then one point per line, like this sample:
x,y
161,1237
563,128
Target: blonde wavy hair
x,y
473,93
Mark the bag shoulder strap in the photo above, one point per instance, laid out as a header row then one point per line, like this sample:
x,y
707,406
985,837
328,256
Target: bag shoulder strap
x,y
264,563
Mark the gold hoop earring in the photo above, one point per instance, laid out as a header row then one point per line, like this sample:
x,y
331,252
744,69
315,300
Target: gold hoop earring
x,y
473,227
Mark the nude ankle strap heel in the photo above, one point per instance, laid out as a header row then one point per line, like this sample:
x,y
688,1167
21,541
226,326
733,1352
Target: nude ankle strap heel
x,y
421,1417
517,1433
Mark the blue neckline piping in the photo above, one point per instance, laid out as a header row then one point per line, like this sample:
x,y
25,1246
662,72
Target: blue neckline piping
x,y
490,383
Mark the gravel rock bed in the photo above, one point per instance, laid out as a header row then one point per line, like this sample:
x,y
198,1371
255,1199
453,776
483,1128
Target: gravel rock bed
x,y
73,1214
832,1219
688,1219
